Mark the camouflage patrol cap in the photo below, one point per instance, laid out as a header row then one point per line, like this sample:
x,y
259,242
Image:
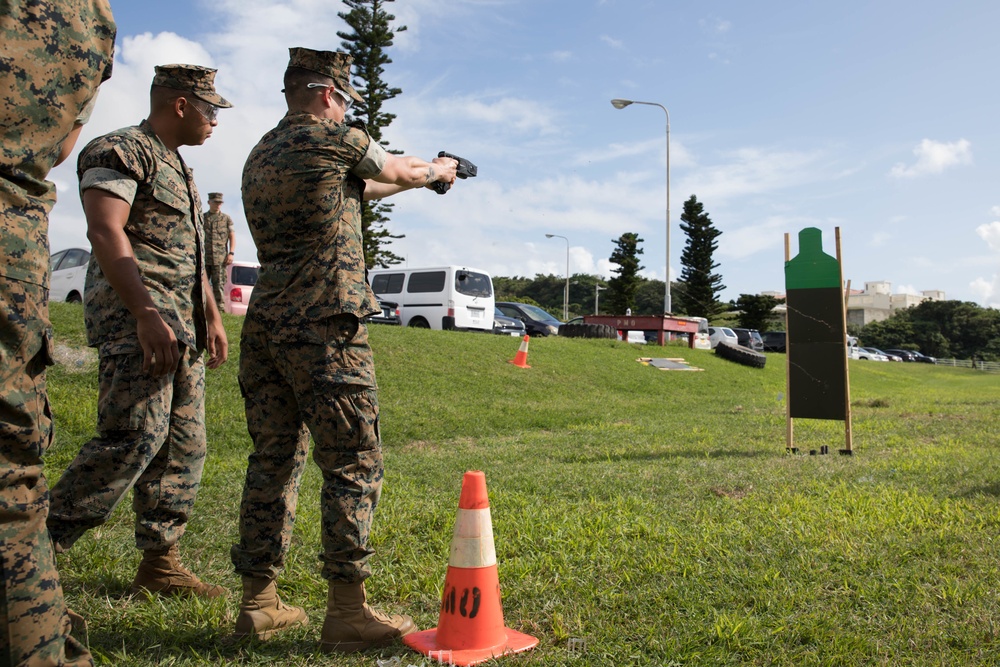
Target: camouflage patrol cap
x,y
194,79
215,196
334,64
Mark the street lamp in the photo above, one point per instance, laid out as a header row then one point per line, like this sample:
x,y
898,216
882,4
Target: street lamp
x,y
597,294
566,291
621,104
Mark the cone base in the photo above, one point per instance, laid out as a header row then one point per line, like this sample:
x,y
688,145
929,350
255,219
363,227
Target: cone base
x,y
521,365
426,642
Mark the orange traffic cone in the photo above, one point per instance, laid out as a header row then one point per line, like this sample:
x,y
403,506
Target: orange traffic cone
x,y
521,358
470,627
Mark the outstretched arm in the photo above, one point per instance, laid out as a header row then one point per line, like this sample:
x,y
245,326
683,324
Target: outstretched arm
x,y
405,173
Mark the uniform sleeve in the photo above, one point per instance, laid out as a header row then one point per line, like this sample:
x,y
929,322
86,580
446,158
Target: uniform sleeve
x,y
113,164
372,163
369,156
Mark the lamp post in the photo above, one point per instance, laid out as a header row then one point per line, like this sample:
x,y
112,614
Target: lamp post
x,y
566,291
597,294
621,104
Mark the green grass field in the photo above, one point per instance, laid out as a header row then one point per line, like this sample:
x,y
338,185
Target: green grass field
x,y
641,517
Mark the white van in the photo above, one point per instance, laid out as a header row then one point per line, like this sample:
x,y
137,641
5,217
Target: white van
x,y
444,297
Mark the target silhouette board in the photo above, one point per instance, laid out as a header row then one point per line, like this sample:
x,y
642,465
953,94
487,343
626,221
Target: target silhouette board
x,y
816,325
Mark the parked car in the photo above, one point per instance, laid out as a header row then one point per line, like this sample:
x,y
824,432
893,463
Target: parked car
x,y
537,322
774,341
871,354
749,338
923,358
389,314
888,357
507,326
718,335
240,279
905,355
443,297
68,275
634,337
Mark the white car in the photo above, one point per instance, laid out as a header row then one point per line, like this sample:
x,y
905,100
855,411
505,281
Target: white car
x,y
240,279
718,335
871,354
68,269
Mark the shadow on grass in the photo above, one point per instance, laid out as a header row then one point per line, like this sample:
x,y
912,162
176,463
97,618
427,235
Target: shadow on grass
x,y
673,454
208,643
988,490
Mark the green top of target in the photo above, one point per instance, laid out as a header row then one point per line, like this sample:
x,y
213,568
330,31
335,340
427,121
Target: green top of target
x,y
812,267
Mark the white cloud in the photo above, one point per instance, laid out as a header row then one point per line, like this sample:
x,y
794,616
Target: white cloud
x,y
908,289
995,211
987,290
991,234
753,171
933,157
612,42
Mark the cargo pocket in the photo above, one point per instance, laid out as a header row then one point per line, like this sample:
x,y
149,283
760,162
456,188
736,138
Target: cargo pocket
x,y
123,402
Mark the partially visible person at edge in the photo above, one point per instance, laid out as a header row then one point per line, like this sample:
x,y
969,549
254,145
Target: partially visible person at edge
x,y
150,314
305,364
53,57
218,234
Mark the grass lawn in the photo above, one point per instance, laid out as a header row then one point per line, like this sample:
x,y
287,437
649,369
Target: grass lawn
x,y
641,517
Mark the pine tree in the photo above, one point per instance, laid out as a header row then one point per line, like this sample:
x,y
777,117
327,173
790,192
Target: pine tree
x,y
625,285
698,287
371,35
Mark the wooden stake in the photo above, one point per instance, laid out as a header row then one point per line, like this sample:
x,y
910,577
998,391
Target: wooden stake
x,y
789,428
848,437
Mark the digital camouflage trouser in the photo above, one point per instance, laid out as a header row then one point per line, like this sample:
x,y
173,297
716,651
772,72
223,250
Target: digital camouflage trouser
x,y
217,276
34,627
292,389
151,438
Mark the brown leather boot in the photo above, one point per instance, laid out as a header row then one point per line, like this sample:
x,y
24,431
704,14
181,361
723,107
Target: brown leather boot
x,y
161,571
351,625
262,613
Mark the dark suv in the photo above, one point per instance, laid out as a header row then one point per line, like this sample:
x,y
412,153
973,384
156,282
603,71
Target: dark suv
x,y
749,338
774,341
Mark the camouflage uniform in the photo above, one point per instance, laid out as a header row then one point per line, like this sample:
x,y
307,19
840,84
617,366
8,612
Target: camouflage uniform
x,y
151,430
218,228
305,364
53,56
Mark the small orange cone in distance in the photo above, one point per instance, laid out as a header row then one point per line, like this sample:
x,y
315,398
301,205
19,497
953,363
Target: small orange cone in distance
x,y
470,627
521,358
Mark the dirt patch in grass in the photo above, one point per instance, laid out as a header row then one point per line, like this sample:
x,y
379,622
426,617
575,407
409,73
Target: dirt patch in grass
x,y
75,359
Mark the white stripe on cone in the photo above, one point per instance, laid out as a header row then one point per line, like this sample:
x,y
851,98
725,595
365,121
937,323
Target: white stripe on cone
x,y
472,544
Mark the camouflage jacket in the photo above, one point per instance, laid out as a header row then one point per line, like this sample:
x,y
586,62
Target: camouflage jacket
x,y
218,226
53,58
302,199
165,229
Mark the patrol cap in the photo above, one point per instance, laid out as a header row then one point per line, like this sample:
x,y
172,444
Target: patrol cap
x,y
200,81
334,64
215,196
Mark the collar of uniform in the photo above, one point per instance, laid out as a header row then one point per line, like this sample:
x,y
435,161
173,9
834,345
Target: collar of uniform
x,y
172,158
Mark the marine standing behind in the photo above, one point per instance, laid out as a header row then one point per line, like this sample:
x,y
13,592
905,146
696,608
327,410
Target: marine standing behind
x,y
150,313
53,57
305,364
218,233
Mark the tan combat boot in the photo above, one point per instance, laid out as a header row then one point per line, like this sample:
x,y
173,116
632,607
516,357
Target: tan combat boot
x,y
262,613
351,625
161,571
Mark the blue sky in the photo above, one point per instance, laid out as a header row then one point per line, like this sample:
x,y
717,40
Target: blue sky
x,y
880,118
